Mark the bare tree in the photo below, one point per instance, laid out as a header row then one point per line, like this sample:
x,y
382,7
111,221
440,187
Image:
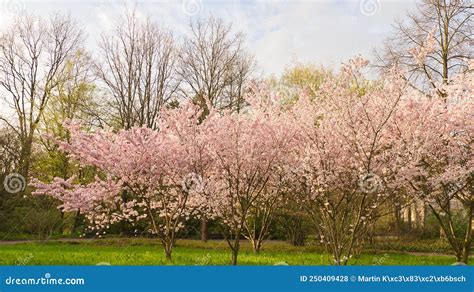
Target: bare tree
x,y
137,68
451,24
213,64
32,55
9,154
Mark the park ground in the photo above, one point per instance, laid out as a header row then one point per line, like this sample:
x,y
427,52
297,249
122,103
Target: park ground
x,y
141,251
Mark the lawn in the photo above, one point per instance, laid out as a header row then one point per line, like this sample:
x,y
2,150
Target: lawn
x,y
190,252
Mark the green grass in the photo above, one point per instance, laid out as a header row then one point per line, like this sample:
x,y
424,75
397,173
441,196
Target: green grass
x,y
189,252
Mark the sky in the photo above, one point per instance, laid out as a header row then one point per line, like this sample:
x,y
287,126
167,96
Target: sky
x,y
278,32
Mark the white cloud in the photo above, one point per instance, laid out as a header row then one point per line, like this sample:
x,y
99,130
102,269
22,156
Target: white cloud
x,y
278,31
323,32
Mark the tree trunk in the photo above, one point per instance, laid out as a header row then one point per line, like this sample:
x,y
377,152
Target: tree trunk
x,y
235,254
25,157
465,255
468,238
168,255
409,223
204,230
168,247
398,219
235,249
257,245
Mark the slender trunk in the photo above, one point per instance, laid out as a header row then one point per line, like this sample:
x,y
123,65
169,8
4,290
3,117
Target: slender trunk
x,y
204,230
256,244
409,217
466,252
442,234
235,249
168,255
256,248
25,157
168,248
235,254
449,236
398,220
468,238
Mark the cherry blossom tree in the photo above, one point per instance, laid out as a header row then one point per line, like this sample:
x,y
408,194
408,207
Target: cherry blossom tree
x,y
249,149
345,161
435,137
145,177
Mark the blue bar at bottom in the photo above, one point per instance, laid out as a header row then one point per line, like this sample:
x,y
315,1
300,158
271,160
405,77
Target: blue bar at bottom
x,y
240,278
